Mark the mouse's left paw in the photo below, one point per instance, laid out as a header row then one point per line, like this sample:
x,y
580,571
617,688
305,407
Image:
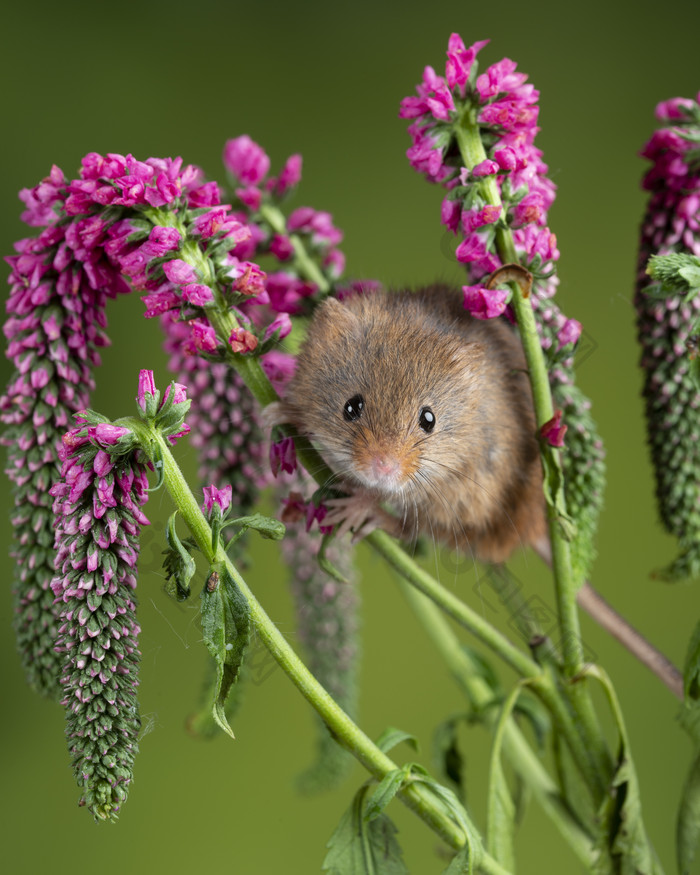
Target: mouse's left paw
x,y
359,513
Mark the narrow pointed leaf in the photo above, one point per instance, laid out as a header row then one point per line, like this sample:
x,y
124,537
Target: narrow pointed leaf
x,y
622,841
364,847
178,564
500,823
390,737
688,823
266,526
226,631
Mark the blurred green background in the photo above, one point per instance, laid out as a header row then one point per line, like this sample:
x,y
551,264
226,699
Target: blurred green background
x,y
157,78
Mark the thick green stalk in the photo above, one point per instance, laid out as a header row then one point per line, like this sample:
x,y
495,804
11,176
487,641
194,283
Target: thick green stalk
x,y
339,723
520,754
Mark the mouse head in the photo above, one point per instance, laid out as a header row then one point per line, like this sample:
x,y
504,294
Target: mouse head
x,y
383,391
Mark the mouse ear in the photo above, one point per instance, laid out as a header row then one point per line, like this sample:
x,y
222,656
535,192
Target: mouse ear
x,y
334,318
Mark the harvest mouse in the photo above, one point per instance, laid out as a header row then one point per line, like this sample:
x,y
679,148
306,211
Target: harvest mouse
x,y
416,405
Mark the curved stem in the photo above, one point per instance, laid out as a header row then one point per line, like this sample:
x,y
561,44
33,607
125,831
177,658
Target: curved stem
x,y
339,723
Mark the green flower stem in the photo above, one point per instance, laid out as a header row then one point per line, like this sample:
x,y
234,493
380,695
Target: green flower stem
x,y
305,265
342,727
542,684
394,554
472,152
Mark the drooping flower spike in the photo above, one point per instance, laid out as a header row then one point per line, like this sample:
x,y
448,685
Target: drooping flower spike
x,y
666,327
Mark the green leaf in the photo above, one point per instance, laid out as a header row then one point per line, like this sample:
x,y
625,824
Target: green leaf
x,y
462,863
364,847
537,716
621,839
390,737
266,526
500,823
472,853
388,787
226,631
554,490
178,564
688,823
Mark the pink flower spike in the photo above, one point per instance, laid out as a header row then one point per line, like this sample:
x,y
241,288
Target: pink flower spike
x,y
217,497
569,332
147,386
242,340
485,303
246,160
485,168
553,431
179,271
283,457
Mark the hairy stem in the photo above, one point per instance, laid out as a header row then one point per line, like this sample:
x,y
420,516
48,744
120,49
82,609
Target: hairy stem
x,y
472,152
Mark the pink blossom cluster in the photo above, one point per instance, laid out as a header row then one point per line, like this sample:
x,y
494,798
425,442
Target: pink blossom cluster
x,y
673,215
295,508
287,287
505,108
97,504
666,325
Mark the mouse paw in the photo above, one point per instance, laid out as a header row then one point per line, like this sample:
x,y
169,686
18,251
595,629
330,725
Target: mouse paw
x,y
358,513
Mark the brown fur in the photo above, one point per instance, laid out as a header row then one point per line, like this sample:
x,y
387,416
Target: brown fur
x,y
475,481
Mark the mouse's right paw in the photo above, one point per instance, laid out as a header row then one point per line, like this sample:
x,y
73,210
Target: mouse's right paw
x,y
359,513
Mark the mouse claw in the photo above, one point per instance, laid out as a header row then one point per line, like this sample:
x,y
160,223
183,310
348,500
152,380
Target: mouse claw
x,y
357,513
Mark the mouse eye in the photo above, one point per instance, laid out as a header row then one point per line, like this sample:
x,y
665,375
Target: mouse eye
x,y
426,419
353,408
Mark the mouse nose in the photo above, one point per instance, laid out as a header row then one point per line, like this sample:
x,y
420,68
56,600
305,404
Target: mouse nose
x,y
385,466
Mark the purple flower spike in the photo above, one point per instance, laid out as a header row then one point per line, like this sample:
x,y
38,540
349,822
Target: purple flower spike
x,y
98,519
665,327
